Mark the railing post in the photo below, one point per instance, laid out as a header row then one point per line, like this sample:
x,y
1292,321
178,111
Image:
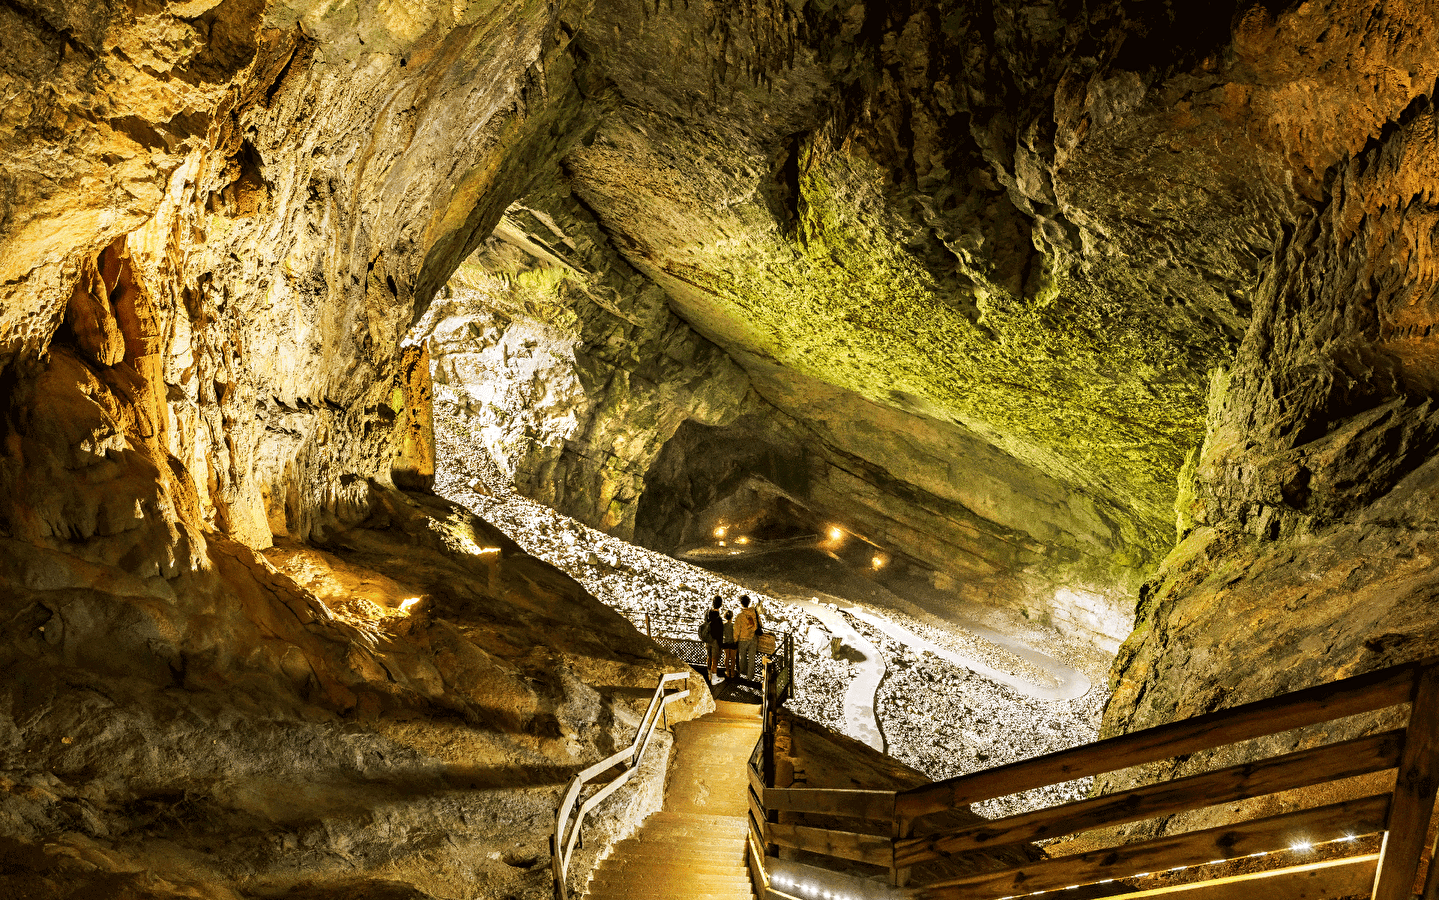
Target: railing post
x,y
649,633
901,828
768,724
556,861
1414,789
664,707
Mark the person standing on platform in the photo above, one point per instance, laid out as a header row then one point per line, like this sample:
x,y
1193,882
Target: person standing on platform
x,y
746,627
713,634
728,645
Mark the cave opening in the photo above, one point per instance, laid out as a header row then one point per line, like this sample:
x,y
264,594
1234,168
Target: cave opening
x,y
568,447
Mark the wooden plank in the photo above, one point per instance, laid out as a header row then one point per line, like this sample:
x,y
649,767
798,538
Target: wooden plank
x,y
1281,773
877,805
1362,693
606,763
650,731
756,830
754,862
602,793
1431,881
1317,881
585,808
899,873
867,848
1362,816
1414,788
756,780
755,807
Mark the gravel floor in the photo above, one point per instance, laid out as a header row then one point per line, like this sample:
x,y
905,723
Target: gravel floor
x,y
935,716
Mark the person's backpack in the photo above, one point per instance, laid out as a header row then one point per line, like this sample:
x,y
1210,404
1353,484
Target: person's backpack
x,y
705,628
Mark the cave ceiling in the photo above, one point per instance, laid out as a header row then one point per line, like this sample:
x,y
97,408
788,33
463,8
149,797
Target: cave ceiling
x,y
980,265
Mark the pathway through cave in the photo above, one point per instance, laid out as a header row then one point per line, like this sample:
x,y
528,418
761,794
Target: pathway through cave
x,y
805,565
933,713
860,720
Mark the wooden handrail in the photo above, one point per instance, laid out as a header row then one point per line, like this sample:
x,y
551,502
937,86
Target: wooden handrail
x,y
1404,813
567,827
854,804
867,848
1337,820
1311,706
1269,776
1413,798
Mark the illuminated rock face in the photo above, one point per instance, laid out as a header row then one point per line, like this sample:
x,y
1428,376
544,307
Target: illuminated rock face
x,y
1004,289
978,268
215,222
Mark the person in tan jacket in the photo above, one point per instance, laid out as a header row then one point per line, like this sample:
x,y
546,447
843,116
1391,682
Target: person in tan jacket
x,y
746,627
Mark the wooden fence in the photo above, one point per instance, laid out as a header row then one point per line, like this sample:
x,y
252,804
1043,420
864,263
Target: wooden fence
x,y
896,837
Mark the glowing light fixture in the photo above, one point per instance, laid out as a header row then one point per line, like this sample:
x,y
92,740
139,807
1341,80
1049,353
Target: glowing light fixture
x,y
720,531
879,561
471,547
408,604
1301,846
741,540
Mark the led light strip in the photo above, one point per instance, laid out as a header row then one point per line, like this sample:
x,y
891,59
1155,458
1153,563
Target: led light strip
x,y
1296,847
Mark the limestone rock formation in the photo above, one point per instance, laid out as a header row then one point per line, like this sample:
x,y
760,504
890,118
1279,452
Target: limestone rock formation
x,y
978,265
215,220
1003,289
1313,498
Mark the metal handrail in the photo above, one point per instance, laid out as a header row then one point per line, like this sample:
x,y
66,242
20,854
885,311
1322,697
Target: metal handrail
x,y
567,828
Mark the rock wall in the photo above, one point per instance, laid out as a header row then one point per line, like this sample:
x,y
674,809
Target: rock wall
x,y
980,266
1317,470
217,223
571,366
1311,533
994,284
593,397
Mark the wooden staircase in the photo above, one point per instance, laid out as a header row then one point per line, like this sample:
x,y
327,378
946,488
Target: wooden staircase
x,y
677,856
694,848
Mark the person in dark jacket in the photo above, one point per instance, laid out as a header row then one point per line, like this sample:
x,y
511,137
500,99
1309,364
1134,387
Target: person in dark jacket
x,y
728,645
714,633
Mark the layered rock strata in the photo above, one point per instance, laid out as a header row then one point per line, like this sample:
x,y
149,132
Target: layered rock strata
x,y
1311,531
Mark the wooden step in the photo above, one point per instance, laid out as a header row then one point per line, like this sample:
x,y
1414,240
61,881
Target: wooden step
x,y
656,876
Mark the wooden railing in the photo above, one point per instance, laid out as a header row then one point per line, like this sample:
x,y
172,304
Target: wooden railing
x,y
891,839
567,826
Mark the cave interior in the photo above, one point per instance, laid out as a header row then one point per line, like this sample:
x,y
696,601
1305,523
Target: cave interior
x,y
1110,318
